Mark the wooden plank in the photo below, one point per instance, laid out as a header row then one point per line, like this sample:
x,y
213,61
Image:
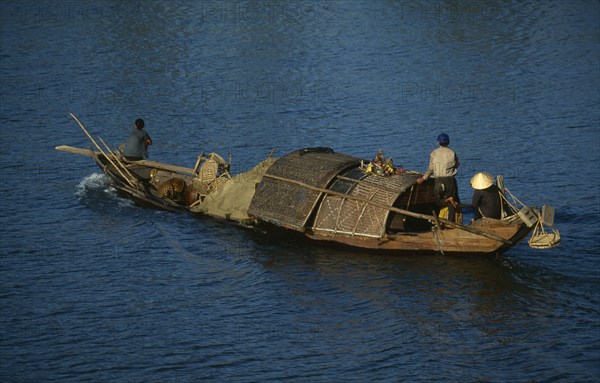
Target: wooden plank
x,y
152,164
74,150
394,209
162,166
420,242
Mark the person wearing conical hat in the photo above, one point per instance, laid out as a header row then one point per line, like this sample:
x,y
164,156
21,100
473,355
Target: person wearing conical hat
x,y
443,165
486,197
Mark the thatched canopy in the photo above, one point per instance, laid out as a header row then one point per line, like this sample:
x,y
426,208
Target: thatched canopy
x,y
291,194
356,216
290,205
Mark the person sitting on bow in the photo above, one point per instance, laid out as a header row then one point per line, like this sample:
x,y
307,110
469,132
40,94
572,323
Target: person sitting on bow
x,y
136,147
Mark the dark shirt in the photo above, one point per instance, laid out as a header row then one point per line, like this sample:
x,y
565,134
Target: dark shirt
x,y
136,144
487,202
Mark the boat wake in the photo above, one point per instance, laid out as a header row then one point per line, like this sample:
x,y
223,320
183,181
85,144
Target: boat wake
x,y
96,187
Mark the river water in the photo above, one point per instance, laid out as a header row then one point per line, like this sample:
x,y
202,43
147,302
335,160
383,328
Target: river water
x,y
96,289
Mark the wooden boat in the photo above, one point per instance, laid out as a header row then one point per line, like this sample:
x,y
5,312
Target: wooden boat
x,y
328,197
323,196
158,185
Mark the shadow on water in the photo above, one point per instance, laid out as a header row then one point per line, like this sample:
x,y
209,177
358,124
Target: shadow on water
x,y
429,299
486,278
339,296
491,283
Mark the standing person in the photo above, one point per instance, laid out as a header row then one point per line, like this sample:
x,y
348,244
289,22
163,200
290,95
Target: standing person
x,y
443,165
136,147
486,197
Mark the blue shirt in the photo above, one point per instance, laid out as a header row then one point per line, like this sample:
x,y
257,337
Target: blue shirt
x,y
136,144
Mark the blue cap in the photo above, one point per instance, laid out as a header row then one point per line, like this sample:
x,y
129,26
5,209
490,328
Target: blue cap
x,y
443,138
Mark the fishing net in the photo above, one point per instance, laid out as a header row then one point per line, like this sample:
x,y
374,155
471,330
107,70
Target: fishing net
x,y
232,197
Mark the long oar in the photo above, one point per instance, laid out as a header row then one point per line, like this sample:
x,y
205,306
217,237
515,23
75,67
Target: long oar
x,y
102,151
116,158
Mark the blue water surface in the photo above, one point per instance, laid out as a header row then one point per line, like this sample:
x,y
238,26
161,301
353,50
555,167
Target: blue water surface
x,y
94,288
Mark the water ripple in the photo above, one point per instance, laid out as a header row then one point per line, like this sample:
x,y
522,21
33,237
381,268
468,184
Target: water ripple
x,y
94,288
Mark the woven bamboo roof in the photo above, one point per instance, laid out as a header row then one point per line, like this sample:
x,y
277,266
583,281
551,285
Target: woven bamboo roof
x,y
355,215
288,204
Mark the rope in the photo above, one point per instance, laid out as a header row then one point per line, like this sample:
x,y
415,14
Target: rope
x,y
515,200
540,239
434,229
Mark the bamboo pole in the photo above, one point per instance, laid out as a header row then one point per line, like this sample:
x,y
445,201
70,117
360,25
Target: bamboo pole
x,y
365,181
200,158
102,151
151,164
73,150
167,167
394,209
436,230
117,159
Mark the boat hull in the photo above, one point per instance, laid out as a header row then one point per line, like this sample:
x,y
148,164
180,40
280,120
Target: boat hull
x,y
144,194
447,241
453,242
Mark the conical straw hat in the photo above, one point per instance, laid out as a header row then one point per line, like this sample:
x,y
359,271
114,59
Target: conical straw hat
x,y
482,180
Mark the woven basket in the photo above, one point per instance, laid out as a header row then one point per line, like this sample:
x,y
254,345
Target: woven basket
x,y
190,195
208,171
172,188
